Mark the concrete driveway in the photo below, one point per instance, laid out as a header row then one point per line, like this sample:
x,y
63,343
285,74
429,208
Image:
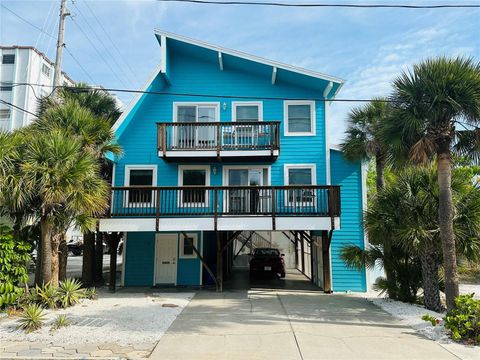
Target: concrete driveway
x,y
282,324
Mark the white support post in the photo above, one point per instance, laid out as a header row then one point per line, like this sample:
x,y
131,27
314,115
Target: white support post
x,y
220,61
274,75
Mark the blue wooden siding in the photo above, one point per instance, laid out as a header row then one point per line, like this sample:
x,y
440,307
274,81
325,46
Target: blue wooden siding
x,y
139,259
200,76
348,176
188,270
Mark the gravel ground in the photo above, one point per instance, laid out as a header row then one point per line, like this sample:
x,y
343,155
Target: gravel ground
x,y
470,288
123,318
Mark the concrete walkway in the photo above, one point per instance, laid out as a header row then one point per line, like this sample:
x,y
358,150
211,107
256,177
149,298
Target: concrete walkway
x,y
283,324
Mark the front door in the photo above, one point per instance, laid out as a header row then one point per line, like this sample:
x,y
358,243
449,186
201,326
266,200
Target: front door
x,y
166,258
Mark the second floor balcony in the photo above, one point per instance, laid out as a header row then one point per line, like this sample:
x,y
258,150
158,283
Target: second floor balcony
x,y
257,141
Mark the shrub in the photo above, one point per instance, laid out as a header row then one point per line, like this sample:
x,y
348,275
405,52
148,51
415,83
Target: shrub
x,y
71,292
14,258
464,320
91,293
59,322
48,295
32,318
431,319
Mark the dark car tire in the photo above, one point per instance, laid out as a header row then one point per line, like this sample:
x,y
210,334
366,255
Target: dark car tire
x,y
282,275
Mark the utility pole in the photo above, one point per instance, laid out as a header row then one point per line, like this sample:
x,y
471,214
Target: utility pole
x,y
61,32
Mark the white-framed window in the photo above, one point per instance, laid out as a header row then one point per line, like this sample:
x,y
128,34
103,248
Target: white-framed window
x,y
193,175
4,113
46,70
186,245
299,118
8,59
140,175
300,174
247,111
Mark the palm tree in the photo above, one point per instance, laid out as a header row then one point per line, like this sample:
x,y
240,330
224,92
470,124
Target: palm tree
x,y
64,178
363,136
437,113
96,137
405,213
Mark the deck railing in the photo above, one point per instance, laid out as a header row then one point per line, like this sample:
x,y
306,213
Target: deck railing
x,y
218,136
218,201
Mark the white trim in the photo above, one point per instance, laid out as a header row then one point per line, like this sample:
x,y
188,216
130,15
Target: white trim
x,y
366,243
163,55
274,75
335,147
225,223
137,98
114,168
181,243
181,168
326,92
176,104
128,168
315,74
235,104
311,103
286,181
213,153
220,61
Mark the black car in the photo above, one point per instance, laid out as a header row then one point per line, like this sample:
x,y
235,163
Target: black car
x,y
267,260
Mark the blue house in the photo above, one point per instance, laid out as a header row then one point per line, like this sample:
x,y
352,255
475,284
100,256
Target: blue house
x,y
219,143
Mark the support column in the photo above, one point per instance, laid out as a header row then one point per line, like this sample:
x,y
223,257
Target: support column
x,y
327,283
112,240
219,262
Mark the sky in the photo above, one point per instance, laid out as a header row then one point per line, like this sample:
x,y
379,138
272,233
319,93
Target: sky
x,y
114,42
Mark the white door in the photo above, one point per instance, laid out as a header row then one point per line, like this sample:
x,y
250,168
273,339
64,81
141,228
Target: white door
x,y
166,259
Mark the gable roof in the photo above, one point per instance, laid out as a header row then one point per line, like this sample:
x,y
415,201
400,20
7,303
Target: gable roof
x,y
165,34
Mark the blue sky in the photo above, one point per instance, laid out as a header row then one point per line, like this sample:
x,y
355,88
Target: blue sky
x,y
366,47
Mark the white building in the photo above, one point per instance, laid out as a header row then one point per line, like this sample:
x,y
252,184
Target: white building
x,y
23,64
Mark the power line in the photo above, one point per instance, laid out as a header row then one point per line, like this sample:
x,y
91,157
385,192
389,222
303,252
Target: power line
x,y
17,107
79,64
85,19
98,51
330,5
82,89
110,39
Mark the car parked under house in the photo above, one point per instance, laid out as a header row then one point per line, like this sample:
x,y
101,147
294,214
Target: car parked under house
x,y
219,143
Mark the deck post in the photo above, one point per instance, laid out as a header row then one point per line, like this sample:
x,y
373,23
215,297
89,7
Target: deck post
x,y
327,282
112,240
219,262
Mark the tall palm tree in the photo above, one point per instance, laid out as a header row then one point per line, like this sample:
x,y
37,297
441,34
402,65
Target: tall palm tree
x,y
437,114
363,138
64,178
405,213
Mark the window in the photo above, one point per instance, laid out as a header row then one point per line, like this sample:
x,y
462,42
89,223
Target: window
x,y
301,174
140,175
8,59
247,111
194,176
4,113
6,86
186,245
299,118
46,70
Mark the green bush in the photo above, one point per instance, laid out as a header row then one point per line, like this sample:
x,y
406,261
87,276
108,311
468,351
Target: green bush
x,y
464,320
32,318
14,258
71,292
59,322
49,295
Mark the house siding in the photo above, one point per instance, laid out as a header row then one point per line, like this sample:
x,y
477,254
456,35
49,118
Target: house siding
x,y
349,176
139,259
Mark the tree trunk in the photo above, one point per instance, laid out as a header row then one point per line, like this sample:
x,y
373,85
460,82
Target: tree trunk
x,y
98,273
112,241
380,170
88,265
55,258
445,219
63,253
431,288
46,250
38,265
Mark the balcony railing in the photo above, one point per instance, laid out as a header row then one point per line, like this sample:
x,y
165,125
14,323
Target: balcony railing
x,y
215,201
219,136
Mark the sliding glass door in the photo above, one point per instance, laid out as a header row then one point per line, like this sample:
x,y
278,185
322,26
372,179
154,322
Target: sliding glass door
x,y
190,135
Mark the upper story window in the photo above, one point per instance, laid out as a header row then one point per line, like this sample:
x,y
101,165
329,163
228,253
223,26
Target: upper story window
x,y
299,118
4,113
8,59
196,112
192,175
247,111
140,175
46,70
6,86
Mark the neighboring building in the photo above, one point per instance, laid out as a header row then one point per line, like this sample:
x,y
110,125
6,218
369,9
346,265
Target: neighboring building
x,y
23,64
225,143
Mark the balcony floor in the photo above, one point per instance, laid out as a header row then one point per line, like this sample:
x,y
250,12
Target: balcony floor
x,y
225,223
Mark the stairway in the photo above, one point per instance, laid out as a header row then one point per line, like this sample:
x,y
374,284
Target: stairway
x,y
245,244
